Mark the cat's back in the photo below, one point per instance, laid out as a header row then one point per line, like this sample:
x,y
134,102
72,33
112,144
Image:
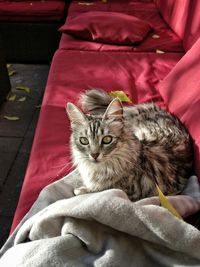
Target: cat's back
x,y
166,152
150,123
160,149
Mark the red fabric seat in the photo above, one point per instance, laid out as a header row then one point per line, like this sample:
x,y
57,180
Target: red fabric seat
x,y
32,11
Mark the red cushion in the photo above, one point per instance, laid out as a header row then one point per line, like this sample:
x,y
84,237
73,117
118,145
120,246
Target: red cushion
x,y
180,91
192,31
32,11
104,27
174,13
183,17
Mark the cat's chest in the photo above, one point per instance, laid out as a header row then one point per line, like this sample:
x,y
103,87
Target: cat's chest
x,y
86,173
96,177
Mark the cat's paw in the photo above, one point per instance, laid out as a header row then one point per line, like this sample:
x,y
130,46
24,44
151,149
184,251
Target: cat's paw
x,y
80,190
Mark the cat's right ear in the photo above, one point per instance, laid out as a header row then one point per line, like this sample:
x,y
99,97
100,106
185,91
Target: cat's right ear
x,y
75,115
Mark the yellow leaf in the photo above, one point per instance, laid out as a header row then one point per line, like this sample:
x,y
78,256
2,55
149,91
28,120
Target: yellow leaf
x,y
24,88
121,95
159,51
8,65
85,3
11,118
22,99
164,202
155,36
11,72
11,98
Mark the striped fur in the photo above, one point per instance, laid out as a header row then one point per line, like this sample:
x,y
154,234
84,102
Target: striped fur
x,y
148,146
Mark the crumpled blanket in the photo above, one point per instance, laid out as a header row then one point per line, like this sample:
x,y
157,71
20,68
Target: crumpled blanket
x,y
104,229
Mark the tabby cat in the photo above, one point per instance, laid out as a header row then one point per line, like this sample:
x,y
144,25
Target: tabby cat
x,y
129,148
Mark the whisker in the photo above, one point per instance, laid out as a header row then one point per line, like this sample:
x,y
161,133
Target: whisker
x,y
82,158
60,174
58,166
64,169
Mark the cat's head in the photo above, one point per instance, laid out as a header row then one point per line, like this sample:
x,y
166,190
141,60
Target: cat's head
x,y
95,138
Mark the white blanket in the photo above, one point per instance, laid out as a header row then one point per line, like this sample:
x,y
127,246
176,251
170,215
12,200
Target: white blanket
x,y
104,229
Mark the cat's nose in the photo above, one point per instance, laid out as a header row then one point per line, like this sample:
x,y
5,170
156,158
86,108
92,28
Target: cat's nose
x,y
94,155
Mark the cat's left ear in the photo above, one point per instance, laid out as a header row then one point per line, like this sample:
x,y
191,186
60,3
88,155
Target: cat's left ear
x,y
114,111
75,115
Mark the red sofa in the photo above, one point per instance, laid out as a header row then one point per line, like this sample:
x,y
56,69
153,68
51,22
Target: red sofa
x,y
163,68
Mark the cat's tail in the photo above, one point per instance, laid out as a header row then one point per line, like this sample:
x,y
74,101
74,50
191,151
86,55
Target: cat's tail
x,y
95,101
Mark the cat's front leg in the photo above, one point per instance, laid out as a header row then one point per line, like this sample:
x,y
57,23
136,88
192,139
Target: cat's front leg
x,y
81,190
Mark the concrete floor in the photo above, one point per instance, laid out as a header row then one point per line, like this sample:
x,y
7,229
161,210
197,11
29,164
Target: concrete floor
x,y
16,136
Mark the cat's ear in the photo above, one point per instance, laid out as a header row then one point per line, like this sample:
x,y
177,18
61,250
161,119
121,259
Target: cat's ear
x,y
114,111
75,115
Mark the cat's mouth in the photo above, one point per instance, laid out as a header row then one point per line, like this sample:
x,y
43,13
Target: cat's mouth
x,y
95,161
95,157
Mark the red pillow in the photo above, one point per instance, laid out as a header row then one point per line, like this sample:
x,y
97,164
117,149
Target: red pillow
x,y
107,27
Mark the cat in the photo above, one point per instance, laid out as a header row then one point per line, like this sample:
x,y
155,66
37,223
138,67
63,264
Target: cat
x,y
131,148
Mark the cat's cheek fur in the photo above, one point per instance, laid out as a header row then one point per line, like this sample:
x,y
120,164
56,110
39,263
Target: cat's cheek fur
x,y
77,157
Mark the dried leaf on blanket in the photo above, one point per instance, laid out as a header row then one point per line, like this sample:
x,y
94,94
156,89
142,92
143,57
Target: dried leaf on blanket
x,y
164,202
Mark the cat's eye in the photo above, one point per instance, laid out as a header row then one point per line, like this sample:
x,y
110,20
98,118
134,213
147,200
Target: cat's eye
x,y
107,139
84,141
